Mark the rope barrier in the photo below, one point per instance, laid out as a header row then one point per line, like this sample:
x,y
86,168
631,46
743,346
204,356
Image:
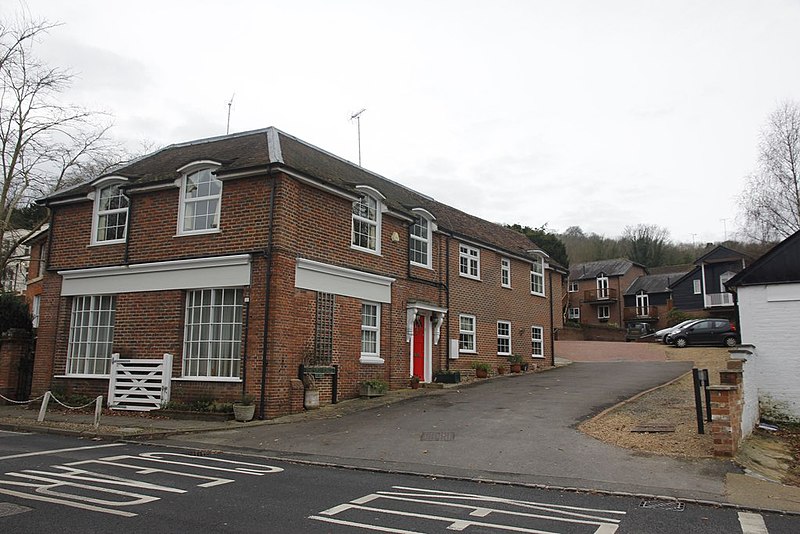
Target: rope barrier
x,y
12,401
93,401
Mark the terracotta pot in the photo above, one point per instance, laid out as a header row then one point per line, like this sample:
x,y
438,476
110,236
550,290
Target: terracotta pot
x,y
481,373
516,367
415,384
501,370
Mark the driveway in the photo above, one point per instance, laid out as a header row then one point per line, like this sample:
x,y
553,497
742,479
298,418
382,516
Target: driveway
x,y
611,351
518,428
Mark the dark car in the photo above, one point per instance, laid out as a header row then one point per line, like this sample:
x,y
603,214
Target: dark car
x,y
636,331
711,331
662,335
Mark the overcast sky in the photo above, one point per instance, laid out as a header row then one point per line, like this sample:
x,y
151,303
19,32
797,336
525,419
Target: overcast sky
x,y
598,114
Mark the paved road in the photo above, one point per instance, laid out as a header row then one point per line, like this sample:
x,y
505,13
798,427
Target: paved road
x,y
519,429
611,351
63,484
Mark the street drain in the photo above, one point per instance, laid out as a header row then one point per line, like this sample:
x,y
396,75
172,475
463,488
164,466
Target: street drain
x,y
437,436
670,506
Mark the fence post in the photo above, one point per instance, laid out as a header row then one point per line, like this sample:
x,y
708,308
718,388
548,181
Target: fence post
x,y
98,408
43,409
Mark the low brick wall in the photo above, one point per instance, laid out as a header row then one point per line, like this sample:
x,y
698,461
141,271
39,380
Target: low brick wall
x,y
590,333
13,348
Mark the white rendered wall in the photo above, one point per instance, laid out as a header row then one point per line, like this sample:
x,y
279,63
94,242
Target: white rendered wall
x,y
770,316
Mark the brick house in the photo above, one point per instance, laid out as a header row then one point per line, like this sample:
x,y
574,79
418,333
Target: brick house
x,y
247,255
596,290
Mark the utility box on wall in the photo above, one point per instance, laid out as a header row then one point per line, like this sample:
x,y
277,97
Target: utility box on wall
x,y
453,352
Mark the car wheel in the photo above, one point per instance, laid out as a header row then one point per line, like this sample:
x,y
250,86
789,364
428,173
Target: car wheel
x,y
681,342
730,341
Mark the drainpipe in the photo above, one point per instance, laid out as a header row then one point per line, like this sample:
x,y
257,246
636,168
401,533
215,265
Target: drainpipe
x,y
552,327
267,282
244,354
127,232
447,300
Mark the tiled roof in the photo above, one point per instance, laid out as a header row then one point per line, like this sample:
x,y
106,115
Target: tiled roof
x,y
653,283
585,271
261,148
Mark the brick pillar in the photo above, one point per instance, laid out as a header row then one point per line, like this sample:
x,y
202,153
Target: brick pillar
x,y
726,411
13,347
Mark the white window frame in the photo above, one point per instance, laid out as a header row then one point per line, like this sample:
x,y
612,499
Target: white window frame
x,y
602,286
371,357
573,287
697,286
573,313
85,349
469,260
505,272
505,337
608,311
36,306
373,195
233,343
537,342
97,213
537,277
189,172
424,241
470,341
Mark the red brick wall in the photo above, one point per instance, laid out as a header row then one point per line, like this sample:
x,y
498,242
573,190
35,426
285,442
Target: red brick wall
x,y
310,224
12,350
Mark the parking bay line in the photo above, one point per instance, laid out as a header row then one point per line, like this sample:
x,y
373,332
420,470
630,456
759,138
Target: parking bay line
x,y
56,451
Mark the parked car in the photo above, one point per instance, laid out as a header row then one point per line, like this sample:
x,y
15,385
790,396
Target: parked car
x,y
636,331
710,331
661,335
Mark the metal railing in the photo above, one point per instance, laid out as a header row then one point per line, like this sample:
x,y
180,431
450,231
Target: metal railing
x,y
718,299
599,295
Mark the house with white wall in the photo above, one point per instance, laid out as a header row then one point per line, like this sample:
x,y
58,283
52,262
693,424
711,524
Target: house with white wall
x,y
768,300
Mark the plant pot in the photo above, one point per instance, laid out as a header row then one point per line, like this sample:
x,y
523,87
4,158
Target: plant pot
x,y
501,370
516,367
415,384
311,399
244,413
369,391
481,373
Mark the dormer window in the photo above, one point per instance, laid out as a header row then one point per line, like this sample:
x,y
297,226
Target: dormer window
x,y
110,215
201,195
367,223
421,242
537,277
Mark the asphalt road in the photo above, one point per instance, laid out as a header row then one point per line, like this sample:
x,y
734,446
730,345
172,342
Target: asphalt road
x,y
520,429
59,484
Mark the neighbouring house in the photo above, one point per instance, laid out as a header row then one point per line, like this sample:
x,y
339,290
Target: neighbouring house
x,y
649,299
701,291
247,255
15,274
596,290
768,301
37,264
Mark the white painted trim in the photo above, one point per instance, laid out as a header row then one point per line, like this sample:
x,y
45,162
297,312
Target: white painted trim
x,y
207,379
422,211
156,187
470,258
510,348
195,168
67,201
104,183
241,174
219,271
327,278
371,191
100,182
198,165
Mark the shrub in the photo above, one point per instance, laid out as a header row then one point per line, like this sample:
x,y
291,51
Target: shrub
x,y
13,313
675,316
481,366
377,384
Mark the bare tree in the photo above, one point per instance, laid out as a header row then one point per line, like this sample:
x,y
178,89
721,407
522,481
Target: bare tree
x,y
646,244
45,143
770,202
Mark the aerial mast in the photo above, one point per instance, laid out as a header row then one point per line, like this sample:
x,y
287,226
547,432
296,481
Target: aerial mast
x,y
230,103
357,117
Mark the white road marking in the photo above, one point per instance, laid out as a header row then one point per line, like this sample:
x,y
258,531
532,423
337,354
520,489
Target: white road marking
x,y
140,470
476,505
15,432
56,451
364,525
752,523
66,503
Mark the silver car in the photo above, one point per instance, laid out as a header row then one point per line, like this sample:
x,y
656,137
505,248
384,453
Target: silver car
x,y
661,335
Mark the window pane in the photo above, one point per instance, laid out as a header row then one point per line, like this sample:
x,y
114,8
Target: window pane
x,y
212,334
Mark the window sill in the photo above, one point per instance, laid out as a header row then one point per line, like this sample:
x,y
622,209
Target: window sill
x,y
104,243
199,232
367,250
505,287
538,294
421,265
504,354
462,275
207,379
371,360
537,357
464,351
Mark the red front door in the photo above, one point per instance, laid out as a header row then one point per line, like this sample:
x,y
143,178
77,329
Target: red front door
x,y
418,350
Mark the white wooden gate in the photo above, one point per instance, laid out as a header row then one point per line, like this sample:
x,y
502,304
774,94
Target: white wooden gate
x,y
139,384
